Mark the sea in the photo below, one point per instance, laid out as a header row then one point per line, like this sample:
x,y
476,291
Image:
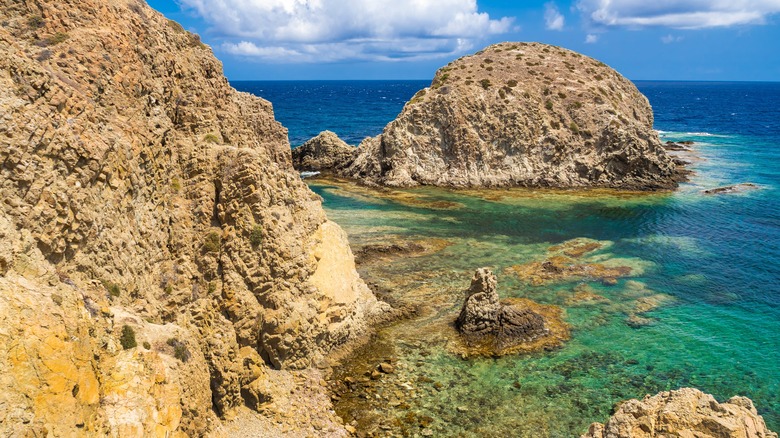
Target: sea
x,y
700,307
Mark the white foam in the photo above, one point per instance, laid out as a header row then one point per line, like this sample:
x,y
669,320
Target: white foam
x,y
308,174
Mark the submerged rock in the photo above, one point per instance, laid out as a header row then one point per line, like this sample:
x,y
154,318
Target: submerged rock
x,y
735,188
490,327
686,412
521,114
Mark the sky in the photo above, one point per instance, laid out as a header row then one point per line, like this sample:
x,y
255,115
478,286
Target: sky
x,y
707,40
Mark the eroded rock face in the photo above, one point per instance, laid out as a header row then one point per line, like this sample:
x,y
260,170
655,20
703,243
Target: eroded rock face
x,y
686,412
139,189
325,152
521,114
486,323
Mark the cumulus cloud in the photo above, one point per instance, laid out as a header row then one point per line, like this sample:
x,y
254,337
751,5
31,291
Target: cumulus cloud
x,y
301,30
553,20
591,38
680,14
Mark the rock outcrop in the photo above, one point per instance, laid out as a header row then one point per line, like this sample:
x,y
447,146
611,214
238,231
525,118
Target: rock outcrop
x,y
159,257
325,152
736,188
520,114
489,326
686,412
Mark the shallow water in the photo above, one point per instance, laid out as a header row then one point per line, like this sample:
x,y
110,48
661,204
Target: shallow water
x,y
710,262
719,332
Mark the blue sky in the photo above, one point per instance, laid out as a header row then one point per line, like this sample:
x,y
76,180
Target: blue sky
x,y
410,39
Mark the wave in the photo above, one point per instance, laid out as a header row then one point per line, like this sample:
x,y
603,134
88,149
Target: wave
x,y
308,174
662,133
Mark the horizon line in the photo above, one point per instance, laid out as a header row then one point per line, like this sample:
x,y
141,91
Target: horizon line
x,y
429,79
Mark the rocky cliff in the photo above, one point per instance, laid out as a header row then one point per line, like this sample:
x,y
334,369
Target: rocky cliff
x,y
160,261
521,114
686,412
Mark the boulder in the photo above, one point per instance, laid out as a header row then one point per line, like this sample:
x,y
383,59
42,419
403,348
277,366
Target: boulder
x,y
686,412
324,152
485,321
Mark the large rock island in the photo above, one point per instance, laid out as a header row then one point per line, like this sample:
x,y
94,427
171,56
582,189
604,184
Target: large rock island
x,y
519,114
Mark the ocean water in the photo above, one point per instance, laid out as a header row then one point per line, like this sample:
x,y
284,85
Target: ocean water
x,y
704,280
352,109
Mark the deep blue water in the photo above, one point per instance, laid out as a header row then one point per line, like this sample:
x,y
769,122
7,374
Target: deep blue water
x,y
718,257
352,109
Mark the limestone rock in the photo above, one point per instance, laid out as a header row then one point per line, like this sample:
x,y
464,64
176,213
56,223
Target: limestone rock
x,y
325,152
521,114
493,327
137,188
686,412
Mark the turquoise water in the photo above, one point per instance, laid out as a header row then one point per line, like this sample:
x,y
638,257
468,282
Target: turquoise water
x,y
709,264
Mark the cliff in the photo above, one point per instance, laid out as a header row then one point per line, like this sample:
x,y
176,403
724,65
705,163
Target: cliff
x,y
160,261
520,114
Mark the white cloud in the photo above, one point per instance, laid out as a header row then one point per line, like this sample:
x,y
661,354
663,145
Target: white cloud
x,y
680,14
591,38
553,20
315,30
668,39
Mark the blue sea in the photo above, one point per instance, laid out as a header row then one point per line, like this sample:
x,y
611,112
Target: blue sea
x,y
704,281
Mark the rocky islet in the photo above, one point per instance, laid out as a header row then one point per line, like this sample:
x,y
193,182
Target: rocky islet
x,y
516,114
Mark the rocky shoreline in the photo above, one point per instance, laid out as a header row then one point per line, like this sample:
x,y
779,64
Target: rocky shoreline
x,y
165,272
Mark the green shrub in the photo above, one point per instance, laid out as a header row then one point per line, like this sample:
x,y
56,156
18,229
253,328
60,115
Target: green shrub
x,y
147,345
574,128
256,235
212,242
36,22
485,83
180,350
175,184
562,95
419,96
113,289
58,38
44,55
511,83
211,138
128,337
548,105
